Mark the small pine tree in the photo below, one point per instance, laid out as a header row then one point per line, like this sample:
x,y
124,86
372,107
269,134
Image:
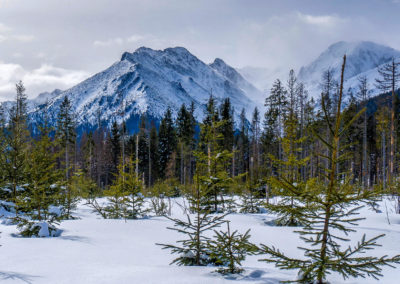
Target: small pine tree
x,y
193,250
229,249
212,162
288,183
84,186
16,146
250,199
42,190
160,198
125,196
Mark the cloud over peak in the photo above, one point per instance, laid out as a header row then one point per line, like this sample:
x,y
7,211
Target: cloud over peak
x,y
45,78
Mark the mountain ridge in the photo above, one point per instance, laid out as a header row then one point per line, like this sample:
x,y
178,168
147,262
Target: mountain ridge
x,y
147,82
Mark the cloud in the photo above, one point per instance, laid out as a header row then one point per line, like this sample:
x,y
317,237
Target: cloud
x,y
320,20
118,41
6,35
23,38
4,28
109,42
17,38
134,38
45,78
271,34
288,40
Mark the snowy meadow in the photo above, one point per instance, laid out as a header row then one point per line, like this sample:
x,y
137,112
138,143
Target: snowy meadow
x,y
91,249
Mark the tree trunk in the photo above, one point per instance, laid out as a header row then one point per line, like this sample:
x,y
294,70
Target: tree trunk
x,y
364,170
384,159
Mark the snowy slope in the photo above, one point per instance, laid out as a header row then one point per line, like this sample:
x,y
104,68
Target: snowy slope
x,y
237,79
363,58
147,82
92,250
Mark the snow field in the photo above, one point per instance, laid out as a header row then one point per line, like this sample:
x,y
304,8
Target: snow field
x,y
95,250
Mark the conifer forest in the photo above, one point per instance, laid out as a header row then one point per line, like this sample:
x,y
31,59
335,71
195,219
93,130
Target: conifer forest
x,y
163,169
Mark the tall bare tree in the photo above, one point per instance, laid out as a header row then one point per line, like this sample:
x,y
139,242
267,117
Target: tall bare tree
x,y
363,97
388,81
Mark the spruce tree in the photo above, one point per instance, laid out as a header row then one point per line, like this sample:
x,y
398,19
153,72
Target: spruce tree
x,y
42,190
153,156
115,142
216,178
83,186
160,197
276,103
194,248
143,151
66,135
242,145
229,249
287,183
125,197
16,145
255,159
185,128
166,143
330,208
227,129
3,159
251,197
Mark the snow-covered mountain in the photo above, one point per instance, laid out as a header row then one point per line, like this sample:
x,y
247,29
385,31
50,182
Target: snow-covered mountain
x,y
363,58
148,82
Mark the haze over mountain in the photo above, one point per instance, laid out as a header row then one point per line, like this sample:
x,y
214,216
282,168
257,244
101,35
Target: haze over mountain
x,y
363,59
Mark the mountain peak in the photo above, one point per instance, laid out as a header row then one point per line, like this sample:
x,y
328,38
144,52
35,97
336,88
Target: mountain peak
x,y
178,53
361,57
177,50
139,51
355,47
218,61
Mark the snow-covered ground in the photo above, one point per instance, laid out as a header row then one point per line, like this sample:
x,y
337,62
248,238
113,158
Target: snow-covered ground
x,y
94,250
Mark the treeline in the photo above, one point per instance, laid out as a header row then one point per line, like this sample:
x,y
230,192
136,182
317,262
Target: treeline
x,y
168,152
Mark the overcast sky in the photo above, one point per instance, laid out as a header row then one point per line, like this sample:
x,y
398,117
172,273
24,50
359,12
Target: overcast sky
x,y
57,43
